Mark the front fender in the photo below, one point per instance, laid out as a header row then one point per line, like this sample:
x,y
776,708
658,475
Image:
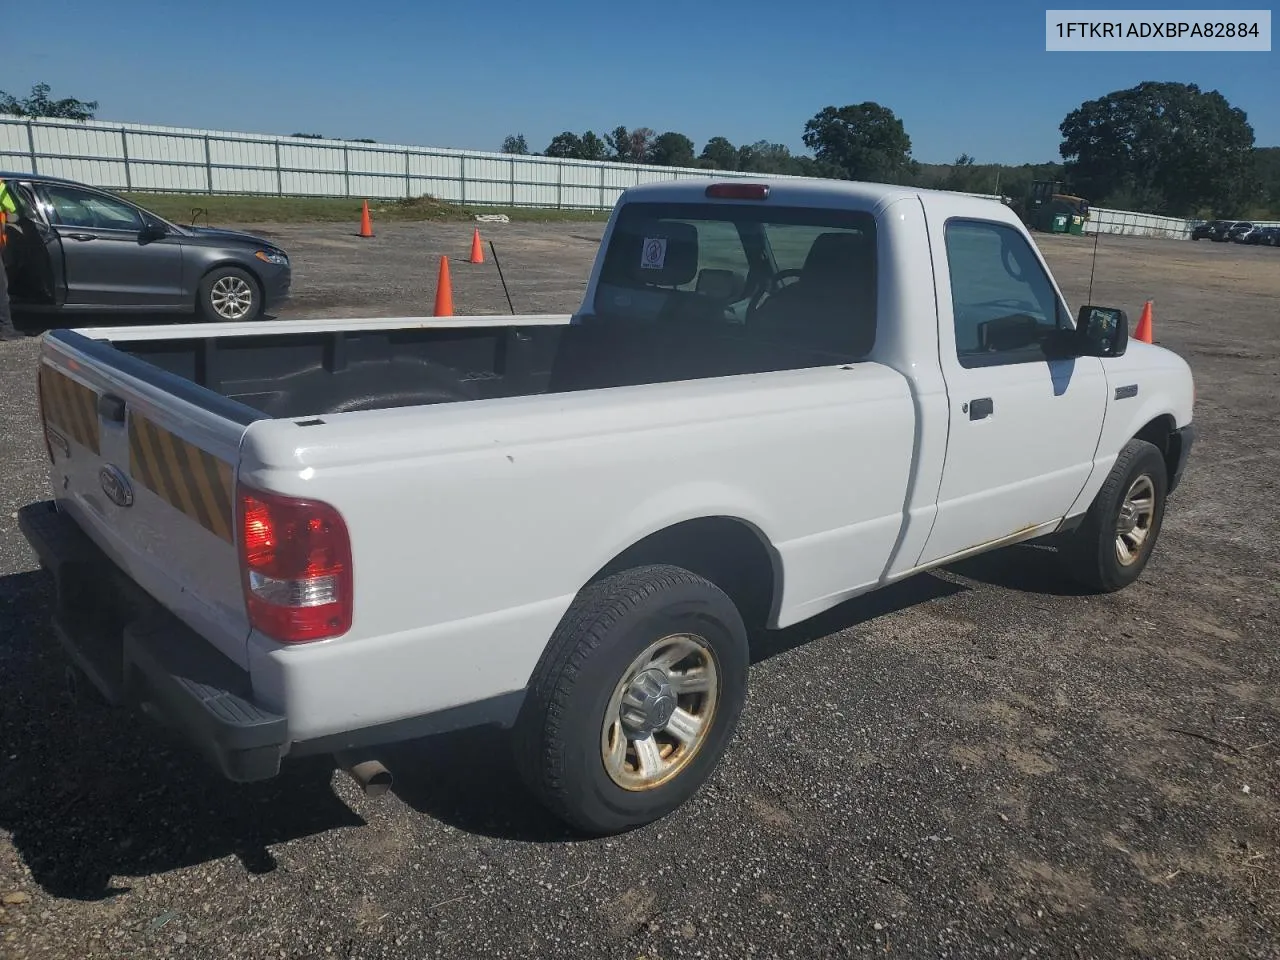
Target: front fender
x,y
1146,384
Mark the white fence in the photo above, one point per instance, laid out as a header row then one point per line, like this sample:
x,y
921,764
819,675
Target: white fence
x,y
130,156
126,156
1147,224
1137,224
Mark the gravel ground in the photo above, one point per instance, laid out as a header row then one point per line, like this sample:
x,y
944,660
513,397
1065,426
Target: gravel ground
x,y
975,763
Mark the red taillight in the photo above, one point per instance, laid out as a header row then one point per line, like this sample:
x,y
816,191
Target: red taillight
x,y
295,558
738,191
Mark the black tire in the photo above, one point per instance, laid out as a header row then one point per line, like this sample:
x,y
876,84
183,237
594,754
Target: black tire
x,y
1091,553
205,306
558,736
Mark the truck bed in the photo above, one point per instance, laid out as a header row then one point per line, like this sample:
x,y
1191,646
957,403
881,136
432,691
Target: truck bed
x,y
297,370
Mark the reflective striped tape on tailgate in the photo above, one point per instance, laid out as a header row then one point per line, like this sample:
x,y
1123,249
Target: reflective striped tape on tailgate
x,y
180,473
69,406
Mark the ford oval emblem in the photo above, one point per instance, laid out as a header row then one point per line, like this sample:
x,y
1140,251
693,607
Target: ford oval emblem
x,y
116,486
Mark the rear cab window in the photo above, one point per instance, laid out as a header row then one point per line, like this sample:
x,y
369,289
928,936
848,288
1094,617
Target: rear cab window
x,y
798,281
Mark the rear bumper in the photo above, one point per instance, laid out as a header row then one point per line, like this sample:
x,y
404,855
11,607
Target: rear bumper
x,y
1182,440
139,655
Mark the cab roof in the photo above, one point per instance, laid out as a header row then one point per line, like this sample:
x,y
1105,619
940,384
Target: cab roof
x,y
795,191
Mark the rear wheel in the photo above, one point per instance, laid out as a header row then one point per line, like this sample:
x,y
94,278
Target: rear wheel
x,y
635,699
229,294
1111,548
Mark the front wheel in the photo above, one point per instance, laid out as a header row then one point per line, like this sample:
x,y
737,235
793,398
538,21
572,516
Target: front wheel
x,y
1111,547
228,295
634,700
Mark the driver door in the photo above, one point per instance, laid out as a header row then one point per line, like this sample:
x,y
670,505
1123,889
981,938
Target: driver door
x,y
1023,428
107,260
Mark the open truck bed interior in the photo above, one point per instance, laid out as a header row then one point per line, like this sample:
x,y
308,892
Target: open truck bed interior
x,y
307,370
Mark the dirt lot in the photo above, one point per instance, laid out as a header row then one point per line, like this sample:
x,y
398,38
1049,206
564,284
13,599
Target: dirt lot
x,y
975,763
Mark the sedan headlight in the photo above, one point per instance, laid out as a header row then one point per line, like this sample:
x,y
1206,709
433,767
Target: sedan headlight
x,y
273,256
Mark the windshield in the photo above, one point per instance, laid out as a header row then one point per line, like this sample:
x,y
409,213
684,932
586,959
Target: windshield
x,y
798,276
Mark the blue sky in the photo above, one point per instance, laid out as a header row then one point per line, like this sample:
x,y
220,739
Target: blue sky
x,y
964,77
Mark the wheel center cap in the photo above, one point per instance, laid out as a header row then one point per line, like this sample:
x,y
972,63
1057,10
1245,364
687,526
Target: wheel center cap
x,y
648,703
1128,518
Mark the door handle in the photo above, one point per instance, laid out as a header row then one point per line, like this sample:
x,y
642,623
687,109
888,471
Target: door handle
x,y
80,236
980,409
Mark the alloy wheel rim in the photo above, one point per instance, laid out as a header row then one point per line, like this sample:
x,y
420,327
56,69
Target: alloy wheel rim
x,y
1134,523
661,712
232,298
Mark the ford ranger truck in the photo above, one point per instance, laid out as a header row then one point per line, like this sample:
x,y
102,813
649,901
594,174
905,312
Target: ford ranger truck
x,y
325,536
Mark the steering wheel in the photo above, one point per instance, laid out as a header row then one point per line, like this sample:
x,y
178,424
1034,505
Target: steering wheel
x,y
773,286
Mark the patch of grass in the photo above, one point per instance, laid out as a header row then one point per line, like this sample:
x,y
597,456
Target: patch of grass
x,y
178,207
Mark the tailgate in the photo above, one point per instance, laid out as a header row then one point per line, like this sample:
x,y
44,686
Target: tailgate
x,y
145,463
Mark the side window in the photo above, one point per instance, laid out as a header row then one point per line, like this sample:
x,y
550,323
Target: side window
x,y
81,208
1003,303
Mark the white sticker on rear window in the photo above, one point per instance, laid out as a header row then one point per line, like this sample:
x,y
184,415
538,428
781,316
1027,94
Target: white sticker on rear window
x,y
653,254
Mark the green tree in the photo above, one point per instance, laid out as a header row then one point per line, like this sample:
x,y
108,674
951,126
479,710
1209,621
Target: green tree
x,y
1266,171
670,149
720,154
565,146
39,104
593,148
1161,148
515,143
619,142
862,141
967,177
765,157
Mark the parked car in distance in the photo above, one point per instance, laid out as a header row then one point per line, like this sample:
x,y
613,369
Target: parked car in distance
x,y
1254,236
77,248
1269,236
1209,229
1239,231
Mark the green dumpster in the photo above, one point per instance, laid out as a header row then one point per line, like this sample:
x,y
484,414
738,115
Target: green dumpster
x,y
1077,226
1059,223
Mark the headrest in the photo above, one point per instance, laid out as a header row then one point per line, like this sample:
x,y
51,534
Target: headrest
x,y
661,252
837,254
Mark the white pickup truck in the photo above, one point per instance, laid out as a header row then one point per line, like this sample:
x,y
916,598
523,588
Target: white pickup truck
x,y
302,537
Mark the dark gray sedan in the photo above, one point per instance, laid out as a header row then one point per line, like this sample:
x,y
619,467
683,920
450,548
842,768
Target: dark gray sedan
x,y
73,247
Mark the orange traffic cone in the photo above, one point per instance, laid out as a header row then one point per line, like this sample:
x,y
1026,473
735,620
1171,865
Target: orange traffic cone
x,y
1143,332
444,291
477,252
366,225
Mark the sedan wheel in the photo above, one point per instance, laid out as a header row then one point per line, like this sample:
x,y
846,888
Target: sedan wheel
x,y
228,295
232,298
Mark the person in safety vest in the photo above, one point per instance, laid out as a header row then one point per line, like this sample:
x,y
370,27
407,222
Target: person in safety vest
x,y
8,210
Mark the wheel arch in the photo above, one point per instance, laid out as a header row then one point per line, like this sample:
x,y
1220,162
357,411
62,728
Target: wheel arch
x,y
1162,433
732,553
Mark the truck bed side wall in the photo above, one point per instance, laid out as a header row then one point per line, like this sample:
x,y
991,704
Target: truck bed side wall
x,y
474,525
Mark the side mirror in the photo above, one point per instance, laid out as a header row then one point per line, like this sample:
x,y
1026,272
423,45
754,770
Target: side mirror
x,y
152,230
1102,331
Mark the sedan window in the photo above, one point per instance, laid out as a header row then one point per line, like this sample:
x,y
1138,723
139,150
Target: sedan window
x,y
83,208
